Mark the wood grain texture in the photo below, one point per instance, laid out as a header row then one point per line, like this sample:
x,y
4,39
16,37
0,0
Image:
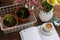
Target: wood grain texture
x,y
57,14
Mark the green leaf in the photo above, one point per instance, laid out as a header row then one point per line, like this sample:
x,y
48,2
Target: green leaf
x,y
47,6
9,18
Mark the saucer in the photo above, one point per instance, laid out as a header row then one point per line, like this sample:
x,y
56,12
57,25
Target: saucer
x,y
46,33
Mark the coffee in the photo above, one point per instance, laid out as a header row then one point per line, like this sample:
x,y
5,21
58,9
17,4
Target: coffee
x,y
49,26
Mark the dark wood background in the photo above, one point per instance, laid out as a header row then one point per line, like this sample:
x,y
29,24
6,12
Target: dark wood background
x,y
16,36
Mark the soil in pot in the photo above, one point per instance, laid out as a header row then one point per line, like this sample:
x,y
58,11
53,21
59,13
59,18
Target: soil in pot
x,y
23,13
10,22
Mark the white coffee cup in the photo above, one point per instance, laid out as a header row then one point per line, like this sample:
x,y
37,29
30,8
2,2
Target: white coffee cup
x,y
47,27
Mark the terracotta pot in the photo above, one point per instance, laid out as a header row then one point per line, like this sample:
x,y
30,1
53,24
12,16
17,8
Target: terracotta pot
x,y
23,19
3,18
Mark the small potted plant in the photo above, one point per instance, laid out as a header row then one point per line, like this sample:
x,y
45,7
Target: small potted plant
x,y
47,14
9,21
23,14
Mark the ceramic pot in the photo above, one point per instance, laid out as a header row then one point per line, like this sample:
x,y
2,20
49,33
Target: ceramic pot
x,y
45,16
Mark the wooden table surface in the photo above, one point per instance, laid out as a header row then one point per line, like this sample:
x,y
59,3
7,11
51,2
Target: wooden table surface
x,y
16,36
57,14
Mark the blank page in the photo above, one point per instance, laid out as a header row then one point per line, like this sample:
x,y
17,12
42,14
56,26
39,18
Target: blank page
x,y
30,34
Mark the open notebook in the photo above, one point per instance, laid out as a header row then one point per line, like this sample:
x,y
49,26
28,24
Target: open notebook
x,y
30,34
33,33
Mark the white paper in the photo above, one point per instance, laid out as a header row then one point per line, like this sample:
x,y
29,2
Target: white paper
x,y
53,36
34,33
30,34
